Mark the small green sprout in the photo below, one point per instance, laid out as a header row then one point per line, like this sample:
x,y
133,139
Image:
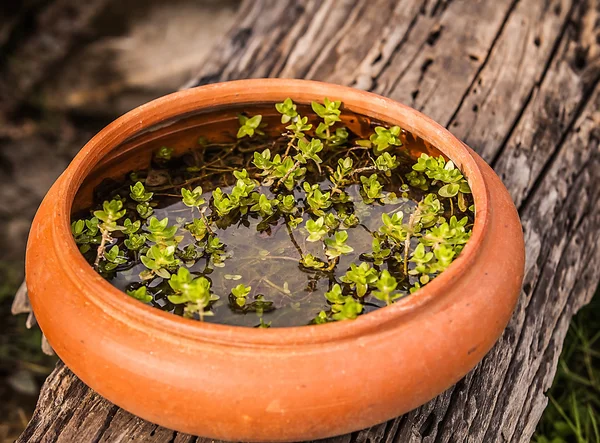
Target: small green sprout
x,y
393,227
386,163
138,193
198,229
348,311
338,138
321,318
384,138
287,109
109,215
192,199
334,295
144,210
194,292
287,204
114,258
240,293
342,172
418,180
141,294
371,188
337,246
263,325
189,254
164,153
288,172
249,126
244,176
160,260
342,307
386,285
135,242
312,262
262,160
317,200
379,254
222,203
329,111
331,221
451,233
260,305
299,127
264,206
309,151
316,229
360,277
449,190
130,227
422,259
85,233
430,210
215,249
348,220
439,170
294,222
161,233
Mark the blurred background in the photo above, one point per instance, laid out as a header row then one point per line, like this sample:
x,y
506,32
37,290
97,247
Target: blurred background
x,y
61,80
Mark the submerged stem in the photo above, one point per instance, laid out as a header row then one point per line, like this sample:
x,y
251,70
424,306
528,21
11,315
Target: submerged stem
x,y
276,287
294,242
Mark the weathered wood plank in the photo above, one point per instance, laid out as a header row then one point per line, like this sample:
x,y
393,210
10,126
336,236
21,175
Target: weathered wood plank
x,y
516,65
530,70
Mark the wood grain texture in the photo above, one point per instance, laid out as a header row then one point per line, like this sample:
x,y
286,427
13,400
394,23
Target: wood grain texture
x,y
518,81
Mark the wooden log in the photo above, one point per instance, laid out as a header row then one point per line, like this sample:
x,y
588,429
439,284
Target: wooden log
x,y
518,81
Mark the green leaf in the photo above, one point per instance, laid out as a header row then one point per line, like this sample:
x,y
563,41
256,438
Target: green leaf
x,y
449,190
141,294
192,199
138,193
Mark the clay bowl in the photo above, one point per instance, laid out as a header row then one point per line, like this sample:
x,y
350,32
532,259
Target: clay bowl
x,y
285,384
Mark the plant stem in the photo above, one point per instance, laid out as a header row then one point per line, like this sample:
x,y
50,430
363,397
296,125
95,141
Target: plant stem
x,y
100,252
289,146
411,222
205,220
357,148
332,264
365,169
295,243
274,286
287,174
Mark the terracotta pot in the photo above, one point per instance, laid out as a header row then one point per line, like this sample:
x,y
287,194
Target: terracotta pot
x,y
283,384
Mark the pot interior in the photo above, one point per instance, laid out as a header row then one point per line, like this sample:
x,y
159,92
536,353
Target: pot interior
x,y
218,125
185,135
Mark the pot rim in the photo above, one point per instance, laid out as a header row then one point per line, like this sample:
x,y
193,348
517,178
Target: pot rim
x,y
119,305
